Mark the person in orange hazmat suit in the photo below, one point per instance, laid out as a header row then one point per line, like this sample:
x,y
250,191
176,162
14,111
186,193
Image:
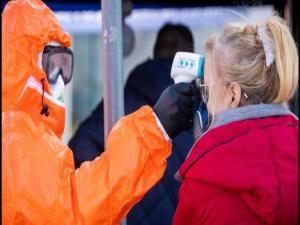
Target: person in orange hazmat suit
x,y
40,184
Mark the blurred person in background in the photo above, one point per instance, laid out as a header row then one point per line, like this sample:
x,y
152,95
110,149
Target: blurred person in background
x,y
127,32
244,168
144,86
39,182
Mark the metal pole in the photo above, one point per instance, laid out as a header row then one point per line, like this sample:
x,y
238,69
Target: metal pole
x,y
112,63
112,69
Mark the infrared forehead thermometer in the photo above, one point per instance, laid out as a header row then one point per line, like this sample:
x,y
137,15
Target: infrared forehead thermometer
x,y
187,67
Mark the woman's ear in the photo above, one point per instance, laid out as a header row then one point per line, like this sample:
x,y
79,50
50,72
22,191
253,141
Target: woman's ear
x,y
235,94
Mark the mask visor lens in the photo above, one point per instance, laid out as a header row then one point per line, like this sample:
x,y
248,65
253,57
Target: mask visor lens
x,y
63,62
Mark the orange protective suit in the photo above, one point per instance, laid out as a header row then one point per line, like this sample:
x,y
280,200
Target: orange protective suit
x,y
39,182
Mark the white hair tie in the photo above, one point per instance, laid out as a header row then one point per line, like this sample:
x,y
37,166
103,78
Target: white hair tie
x,y
268,45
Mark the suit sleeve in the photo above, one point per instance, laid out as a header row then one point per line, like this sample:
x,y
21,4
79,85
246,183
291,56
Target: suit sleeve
x,y
134,161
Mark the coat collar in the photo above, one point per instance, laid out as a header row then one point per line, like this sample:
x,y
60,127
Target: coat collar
x,y
250,112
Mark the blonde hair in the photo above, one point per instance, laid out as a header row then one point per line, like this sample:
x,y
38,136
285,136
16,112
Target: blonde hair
x,y
239,54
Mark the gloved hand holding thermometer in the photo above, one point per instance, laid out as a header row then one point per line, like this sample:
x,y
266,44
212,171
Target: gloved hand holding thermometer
x,y
189,67
177,104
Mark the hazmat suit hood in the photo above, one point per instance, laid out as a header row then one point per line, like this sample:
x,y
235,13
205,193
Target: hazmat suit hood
x,y
27,26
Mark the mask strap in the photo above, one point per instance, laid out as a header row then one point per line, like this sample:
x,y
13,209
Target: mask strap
x,y
44,107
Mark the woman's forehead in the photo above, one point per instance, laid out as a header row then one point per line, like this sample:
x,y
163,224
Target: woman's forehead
x,y
211,73
207,71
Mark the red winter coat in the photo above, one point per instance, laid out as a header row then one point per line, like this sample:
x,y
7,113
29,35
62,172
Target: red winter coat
x,y
244,172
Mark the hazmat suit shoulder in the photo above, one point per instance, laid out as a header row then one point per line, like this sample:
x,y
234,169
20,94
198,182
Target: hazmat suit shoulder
x,y
40,184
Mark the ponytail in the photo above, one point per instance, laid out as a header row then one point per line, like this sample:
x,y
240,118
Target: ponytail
x,y
286,59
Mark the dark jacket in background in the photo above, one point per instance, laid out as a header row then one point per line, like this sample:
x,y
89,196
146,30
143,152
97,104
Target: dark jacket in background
x,y
144,86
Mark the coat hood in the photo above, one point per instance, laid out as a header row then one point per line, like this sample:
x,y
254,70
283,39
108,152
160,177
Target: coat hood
x,y
27,26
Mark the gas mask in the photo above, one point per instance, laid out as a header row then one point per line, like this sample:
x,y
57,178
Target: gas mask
x,y
57,62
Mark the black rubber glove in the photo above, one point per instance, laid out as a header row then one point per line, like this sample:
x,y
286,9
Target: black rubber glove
x,y
175,108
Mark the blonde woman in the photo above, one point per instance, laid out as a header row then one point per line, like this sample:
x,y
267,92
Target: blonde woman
x,y
244,169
